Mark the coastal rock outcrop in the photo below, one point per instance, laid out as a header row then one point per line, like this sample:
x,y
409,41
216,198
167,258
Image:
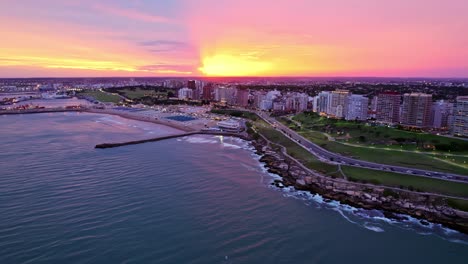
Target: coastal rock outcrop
x,y
392,201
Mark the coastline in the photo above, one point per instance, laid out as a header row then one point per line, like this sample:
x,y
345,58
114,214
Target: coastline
x,y
104,112
391,201
140,118
428,207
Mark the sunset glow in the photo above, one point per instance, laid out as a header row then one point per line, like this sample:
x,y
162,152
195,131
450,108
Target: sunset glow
x,y
234,38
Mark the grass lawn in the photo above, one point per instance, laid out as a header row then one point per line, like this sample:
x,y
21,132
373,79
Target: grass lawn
x,y
102,96
236,113
361,174
381,136
460,161
406,181
397,158
139,93
295,150
421,160
458,204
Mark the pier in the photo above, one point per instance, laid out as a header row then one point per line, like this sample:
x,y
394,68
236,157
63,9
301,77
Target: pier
x,y
215,133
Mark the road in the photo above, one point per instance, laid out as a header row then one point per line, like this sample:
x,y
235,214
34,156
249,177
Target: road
x,y
331,157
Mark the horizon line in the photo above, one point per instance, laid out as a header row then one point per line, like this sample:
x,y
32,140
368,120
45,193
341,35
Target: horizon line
x,y
201,77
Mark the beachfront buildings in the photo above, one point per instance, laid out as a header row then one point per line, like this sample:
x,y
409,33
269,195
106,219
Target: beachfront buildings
x,y
242,97
323,101
388,107
357,107
416,110
185,94
225,95
460,117
441,114
338,103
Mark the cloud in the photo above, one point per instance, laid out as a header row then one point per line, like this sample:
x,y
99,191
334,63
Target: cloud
x,y
167,68
132,14
159,43
166,46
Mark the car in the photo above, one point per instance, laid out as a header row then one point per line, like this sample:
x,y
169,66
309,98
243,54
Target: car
x,y
409,171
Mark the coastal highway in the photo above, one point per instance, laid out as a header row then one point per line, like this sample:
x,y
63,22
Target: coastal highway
x,y
331,157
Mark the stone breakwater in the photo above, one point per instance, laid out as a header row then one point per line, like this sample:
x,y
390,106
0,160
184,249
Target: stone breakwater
x,y
121,144
391,201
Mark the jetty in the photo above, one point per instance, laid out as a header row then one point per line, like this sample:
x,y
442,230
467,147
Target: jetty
x,y
215,133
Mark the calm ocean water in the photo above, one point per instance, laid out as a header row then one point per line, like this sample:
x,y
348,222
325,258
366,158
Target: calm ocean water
x,y
199,199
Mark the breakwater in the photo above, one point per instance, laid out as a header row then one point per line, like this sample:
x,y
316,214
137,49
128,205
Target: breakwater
x,y
215,133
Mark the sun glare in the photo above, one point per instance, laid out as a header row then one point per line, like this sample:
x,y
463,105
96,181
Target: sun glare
x,y
228,65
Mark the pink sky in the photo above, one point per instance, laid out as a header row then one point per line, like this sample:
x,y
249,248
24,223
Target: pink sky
x,y
232,38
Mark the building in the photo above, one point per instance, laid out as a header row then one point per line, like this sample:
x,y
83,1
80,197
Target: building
x,y
191,84
388,107
226,95
208,92
259,96
416,110
185,94
338,104
279,105
315,102
323,102
266,105
229,125
460,117
242,97
358,107
441,114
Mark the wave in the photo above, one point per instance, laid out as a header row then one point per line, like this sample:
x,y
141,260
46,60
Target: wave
x,y
368,219
373,228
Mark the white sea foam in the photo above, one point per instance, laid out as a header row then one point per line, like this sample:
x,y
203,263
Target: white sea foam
x,y
368,219
199,140
373,228
227,145
371,219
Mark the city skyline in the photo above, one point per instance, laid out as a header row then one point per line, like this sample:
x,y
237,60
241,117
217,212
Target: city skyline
x,y
233,38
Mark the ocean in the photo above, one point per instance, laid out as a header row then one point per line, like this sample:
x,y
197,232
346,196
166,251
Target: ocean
x,y
199,199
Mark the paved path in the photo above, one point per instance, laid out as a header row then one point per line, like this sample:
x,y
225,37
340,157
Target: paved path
x,y
369,185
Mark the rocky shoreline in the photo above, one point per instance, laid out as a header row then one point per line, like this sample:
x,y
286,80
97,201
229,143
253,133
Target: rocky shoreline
x,y
392,201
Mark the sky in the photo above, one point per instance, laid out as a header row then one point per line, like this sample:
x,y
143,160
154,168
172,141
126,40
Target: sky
x,y
99,38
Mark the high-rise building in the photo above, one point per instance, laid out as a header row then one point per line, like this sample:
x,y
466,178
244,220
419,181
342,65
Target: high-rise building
x,y
207,93
225,95
315,102
185,94
460,117
192,84
259,96
441,114
242,97
416,110
323,102
388,107
339,103
358,106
